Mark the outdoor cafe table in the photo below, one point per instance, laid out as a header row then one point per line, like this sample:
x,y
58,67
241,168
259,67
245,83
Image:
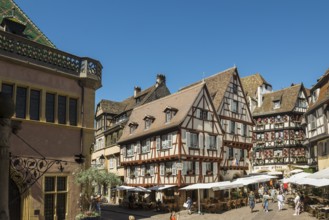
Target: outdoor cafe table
x,y
323,212
315,209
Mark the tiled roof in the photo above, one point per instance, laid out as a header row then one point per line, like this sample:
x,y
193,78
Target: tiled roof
x,y
217,85
323,97
111,107
251,83
182,101
32,32
287,96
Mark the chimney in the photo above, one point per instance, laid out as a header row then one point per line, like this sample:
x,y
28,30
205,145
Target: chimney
x,y
137,90
161,79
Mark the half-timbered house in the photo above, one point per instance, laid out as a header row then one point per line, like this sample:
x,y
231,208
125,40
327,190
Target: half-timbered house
x,y
110,118
175,140
230,102
278,135
317,122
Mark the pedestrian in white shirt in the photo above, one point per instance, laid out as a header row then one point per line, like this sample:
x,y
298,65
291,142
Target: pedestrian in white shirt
x,y
280,199
297,204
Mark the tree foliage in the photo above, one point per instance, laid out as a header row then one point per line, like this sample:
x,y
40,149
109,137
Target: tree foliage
x,y
92,176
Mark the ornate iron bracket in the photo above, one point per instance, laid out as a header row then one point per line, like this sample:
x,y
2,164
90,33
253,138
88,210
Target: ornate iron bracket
x,y
25,171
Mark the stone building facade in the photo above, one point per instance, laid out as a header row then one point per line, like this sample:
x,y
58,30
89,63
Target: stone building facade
x,y
54,95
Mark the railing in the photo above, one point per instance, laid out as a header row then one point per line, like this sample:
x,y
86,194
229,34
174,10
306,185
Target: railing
x,y
19,47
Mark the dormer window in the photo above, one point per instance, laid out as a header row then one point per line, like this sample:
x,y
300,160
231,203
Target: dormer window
x,y
315,95
148,121
276,104
170,113
132,127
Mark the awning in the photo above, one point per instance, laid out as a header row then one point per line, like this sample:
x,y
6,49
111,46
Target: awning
x,y
226,185
139,189
160,187
296,171
273,173
199,186
313,182
322,174
123,187
254,179
295,177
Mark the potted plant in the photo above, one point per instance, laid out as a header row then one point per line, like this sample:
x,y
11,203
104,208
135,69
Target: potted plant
x,y
209,172
168,173
88,215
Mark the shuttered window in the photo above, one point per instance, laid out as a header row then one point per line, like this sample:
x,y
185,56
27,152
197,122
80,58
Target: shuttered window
x,y
73,111
50,107
21,102
35,105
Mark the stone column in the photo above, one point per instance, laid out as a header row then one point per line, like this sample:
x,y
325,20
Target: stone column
x,y
6,112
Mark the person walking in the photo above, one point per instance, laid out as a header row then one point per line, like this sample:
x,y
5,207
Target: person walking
x,y
297,204
280,199
189,205
273,193
251,199
265,201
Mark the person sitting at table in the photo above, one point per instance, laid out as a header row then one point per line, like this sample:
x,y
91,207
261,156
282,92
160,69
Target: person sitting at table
x,y
158,205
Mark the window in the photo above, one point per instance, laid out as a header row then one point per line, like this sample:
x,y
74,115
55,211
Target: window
x,y
194,141
230,152
203,114
73,116
234,107
235,88
132,127
208,167
232,127
35,105
21,102
242,153
276,104
55,197
312,119
166,141
168,116
302,103
130,150
148,121
50,107
112,163
279,134
8,89
61,109
190,167
212,142
244,130
146,146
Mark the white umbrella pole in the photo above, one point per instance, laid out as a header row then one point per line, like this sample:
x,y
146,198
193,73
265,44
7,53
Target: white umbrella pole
x,y
199,201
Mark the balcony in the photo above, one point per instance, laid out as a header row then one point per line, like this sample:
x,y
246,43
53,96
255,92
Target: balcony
x,y
14,46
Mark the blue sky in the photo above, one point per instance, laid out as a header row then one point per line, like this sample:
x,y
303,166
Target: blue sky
x,y
285,41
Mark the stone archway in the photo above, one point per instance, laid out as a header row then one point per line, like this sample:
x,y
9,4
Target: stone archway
x,y
14,201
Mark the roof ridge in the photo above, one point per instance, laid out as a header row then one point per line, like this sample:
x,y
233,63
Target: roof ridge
x,y
234,67
299,84
173,94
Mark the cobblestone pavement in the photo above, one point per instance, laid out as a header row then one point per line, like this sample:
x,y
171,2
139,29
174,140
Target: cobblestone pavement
x,y
242,213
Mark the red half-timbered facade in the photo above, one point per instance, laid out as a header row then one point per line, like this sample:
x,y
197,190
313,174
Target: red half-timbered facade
x,y
278,134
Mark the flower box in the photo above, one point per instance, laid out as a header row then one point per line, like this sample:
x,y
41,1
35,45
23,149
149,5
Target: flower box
x,y
168,173
209,172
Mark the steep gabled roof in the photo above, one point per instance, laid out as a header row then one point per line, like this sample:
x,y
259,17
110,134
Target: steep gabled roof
x,y
217,85
182,101
323,97
32,32
287,96
251,83
111,107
